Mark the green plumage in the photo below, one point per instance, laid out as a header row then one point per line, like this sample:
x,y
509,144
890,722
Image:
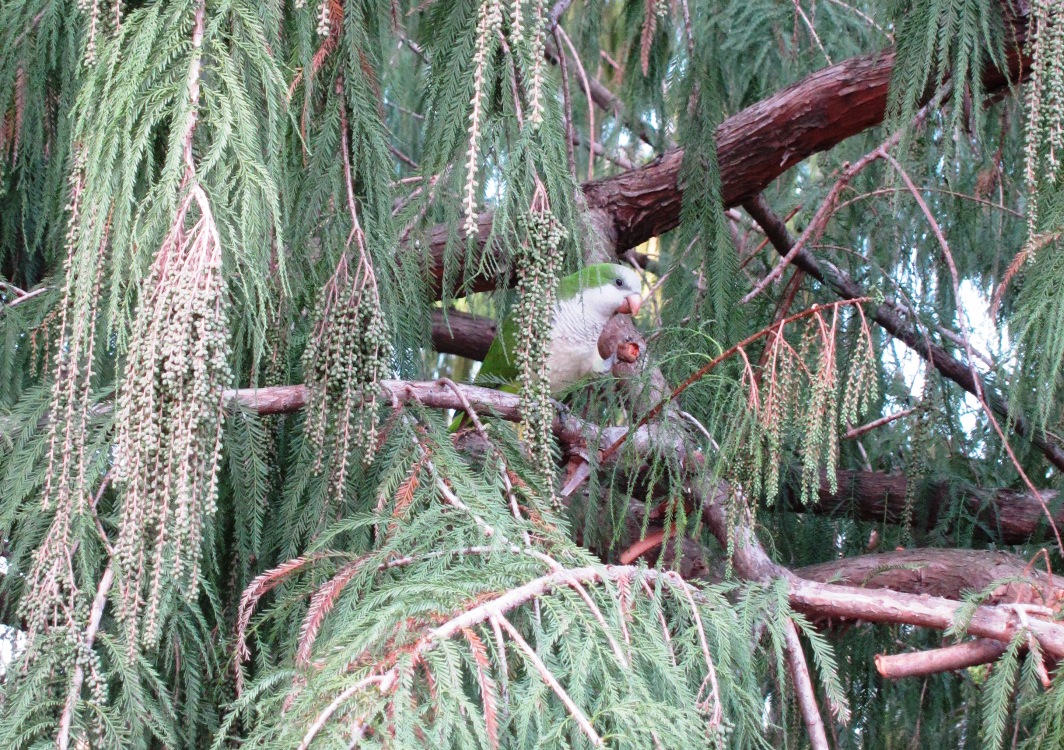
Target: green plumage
x,y
500,368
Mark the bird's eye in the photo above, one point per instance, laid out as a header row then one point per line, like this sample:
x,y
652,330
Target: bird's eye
x,y
618,282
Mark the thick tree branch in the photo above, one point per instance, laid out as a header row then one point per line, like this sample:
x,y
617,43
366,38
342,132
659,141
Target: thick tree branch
x,y
945,573
821,601
463,334
817,600
945,659
1002,515
1005,516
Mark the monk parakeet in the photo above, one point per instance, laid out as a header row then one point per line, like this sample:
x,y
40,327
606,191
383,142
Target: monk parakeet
x,y
586,301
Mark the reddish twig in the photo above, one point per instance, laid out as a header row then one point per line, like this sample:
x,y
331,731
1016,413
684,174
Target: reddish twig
x,y
707,368
858,431
828,207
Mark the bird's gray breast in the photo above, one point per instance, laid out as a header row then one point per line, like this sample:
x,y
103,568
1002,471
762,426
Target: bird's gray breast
x,y
574,345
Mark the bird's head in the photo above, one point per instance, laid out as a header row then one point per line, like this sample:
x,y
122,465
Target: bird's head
x,y
604,289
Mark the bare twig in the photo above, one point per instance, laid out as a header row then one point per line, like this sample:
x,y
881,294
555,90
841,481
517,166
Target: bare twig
x,y
979,393
828,206
855,432
582,74
804,691
707,368
900,322
552,681
864,17
99,603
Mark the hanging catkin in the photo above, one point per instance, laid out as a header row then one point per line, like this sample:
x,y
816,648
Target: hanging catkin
x,y
538,262
169,426
344,363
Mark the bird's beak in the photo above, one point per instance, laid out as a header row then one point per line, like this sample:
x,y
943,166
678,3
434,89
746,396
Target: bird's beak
x,y
631,304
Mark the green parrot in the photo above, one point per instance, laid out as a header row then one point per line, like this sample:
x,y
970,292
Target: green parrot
x,y
587,299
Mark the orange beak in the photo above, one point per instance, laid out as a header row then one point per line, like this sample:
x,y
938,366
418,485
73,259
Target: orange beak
x,y
631,304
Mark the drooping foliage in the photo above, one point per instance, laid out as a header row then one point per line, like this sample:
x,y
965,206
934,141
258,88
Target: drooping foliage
x,y
198,196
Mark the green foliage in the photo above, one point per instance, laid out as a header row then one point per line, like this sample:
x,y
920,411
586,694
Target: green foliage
x,y
937,39
206,194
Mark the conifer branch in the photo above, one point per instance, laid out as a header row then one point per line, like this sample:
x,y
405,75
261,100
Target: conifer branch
x,y
1004,514
546,675
775,330
88,639
816,599
493,611
827,208
900,322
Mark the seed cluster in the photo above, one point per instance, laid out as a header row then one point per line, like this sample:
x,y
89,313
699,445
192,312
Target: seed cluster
x,y
526,45
89,660
344,364
324,19
53,598
538,264
800,393
537,59
1044,148
489,26
96,23
169,427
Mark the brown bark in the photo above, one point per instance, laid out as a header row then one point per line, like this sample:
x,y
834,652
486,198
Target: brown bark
x,y
817,600
833,601
1002,515
463,334
754,147
945,659
943,572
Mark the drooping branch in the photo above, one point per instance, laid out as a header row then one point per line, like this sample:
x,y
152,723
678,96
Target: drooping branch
x,y
899,322
754,147
1003,515
817,600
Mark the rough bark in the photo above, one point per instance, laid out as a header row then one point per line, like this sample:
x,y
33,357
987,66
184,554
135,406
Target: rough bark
x,y
1001,515
463,334
945,659
818,600
945,573
833,601
754,147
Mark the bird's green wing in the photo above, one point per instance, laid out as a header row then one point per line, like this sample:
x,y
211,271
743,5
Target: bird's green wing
x,y
499,369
